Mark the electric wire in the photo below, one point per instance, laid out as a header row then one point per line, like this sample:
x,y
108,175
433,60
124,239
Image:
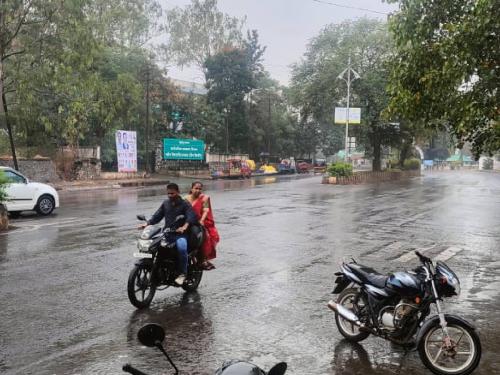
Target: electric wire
x,y
350,7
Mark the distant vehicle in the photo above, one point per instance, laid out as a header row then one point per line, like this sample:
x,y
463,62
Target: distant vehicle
x,y
304,167
24,195
233,168
287,166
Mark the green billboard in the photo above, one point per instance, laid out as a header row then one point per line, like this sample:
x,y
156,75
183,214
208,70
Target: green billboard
x,y
183,149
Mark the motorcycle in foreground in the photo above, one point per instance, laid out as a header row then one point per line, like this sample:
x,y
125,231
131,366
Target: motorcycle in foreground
x,y
152,335
156,268
395,307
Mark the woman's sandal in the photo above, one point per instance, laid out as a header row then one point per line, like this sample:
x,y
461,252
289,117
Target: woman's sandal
x,y
207,266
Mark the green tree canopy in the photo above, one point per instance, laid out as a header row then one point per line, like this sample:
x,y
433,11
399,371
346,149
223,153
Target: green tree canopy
x,y
446,70
317,89
230,75
200,31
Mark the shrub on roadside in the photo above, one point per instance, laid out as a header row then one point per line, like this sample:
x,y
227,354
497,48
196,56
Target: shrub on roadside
x,y
392,164
411,164
340,170
3,183
4,218
488,163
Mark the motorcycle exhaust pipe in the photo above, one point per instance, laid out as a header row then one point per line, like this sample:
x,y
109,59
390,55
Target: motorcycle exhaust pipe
x,y
344,313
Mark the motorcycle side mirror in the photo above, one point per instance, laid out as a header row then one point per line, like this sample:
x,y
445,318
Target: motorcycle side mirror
x,y
278,369
151,334
141,217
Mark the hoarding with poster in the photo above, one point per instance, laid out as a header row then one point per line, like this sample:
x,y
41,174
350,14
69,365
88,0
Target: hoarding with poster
x,y
126,150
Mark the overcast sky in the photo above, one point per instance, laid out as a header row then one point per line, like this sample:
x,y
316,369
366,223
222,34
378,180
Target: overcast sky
x,y
285,27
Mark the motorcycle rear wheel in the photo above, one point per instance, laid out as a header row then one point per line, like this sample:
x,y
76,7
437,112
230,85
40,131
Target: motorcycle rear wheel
x,y
350,298
461,360
140,288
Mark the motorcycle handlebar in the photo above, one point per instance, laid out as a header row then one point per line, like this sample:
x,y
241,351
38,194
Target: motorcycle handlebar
x,y
132,370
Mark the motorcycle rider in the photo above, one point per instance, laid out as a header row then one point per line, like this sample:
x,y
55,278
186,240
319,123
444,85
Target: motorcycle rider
x,y
169,210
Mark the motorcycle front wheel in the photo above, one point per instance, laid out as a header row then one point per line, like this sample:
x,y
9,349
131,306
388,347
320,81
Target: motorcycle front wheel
x,y
140,288
459,358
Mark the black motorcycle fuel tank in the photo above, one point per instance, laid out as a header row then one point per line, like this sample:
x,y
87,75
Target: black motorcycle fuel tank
x,y
405,284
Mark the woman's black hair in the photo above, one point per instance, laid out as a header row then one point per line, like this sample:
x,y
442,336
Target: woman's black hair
x,y
196,182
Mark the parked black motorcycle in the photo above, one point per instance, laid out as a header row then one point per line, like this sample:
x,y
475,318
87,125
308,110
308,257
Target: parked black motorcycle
x,y
156,268
395,307
152,335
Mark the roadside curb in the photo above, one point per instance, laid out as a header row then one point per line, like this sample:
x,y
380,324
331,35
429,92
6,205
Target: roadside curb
x,y
101,185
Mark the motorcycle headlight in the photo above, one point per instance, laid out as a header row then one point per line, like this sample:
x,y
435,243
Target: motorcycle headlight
x,y
143,245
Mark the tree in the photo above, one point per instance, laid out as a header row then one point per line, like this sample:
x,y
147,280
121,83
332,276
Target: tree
x,y
230,75
445,71
199,32
317,89
73,72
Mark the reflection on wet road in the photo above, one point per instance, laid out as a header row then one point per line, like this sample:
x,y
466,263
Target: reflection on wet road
x,y
63,278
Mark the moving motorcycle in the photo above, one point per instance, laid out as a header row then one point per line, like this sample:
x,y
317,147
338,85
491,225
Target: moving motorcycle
x,y
156,268
152,335
395,307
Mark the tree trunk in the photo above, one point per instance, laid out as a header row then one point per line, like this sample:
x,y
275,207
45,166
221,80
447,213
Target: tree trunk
x,y
376,154
4,114
4,218
403,155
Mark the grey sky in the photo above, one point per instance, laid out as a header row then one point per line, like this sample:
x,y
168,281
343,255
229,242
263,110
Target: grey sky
x,y
285,27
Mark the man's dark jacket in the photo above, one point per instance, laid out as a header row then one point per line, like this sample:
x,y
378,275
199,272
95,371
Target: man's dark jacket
x,y
169,212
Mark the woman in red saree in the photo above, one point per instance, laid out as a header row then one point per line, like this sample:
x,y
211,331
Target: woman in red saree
x,y
203,209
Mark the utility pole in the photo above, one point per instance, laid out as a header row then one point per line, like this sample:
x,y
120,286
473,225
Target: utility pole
x,y
348,81
270,125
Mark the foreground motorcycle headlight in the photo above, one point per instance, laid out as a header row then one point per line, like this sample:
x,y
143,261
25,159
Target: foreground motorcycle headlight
x,y
143,245
451,282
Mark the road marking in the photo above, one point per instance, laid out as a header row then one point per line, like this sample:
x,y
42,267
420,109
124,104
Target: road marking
x,y
32,225
448,253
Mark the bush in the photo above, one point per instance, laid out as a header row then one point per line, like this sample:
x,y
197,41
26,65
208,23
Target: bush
x,y
488,163
340,170
411,164
3,183
392,164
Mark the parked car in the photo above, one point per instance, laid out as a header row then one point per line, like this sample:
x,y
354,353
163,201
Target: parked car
x,y
24,195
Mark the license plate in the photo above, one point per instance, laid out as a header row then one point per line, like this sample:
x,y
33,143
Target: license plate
x,y
143,255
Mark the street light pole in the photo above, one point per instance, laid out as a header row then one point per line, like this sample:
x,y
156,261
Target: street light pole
x,y
347,111
348,81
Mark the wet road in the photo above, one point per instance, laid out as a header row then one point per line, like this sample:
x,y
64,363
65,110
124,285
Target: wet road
x,y
63,278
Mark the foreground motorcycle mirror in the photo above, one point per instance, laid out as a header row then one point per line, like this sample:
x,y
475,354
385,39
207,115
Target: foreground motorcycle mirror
x,y
141,217
278,369
151,334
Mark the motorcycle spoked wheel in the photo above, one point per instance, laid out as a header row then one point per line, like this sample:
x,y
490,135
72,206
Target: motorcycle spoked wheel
x,y
351,299
140,288
193,278
461,359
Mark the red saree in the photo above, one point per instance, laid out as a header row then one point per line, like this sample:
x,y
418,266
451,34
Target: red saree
x,y
211,234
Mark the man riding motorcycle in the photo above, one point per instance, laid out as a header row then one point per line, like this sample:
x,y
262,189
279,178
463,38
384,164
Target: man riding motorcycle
x,y
170,210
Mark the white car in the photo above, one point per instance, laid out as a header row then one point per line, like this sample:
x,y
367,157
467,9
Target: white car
x,y
24,195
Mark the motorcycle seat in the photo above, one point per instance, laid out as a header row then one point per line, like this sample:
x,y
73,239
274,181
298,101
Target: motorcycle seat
x,y
369,275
